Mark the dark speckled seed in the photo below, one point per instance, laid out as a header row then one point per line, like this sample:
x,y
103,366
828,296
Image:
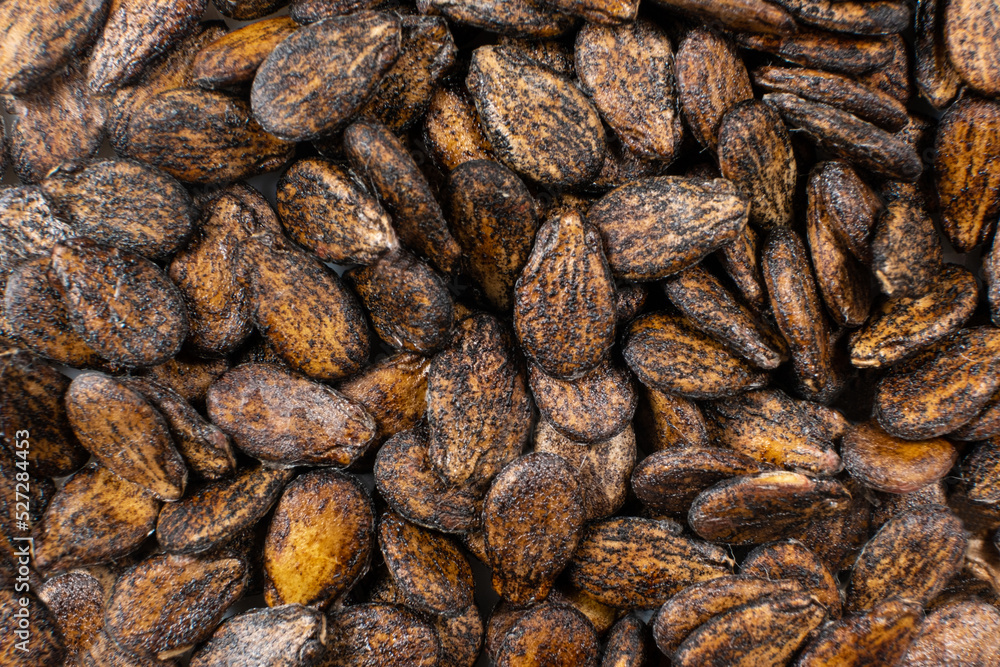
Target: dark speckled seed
x,y
823,50
593,407
248,10
972,34
885,631
286,636
47,646
628,644
28,226
233,59
792,560
553,635
380,635
743,15
524,18
668,481
906,248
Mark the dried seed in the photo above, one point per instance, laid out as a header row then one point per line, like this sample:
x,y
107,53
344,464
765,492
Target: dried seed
x,y
408,302
32,396
957,633
312,11
913,555
658,226
628,562
76,602
740,15
845,135
521,18
219,511
790,559
28,226
478,407
882,634
280,417
550,635
188,376
532,518
602,469
431,573
46,645
382,160
819,49
763,507
668,481
122,305
168,603
971,36
667,353
642,107
380,635
967,170
234,59
248,10
286,636
879,17
888,505
934,73
494,220
711,80
451,129
304,310
709,306
981,473
404,477
628,644
740,259
461,637
686,611
906,249
125,434
771,427
105,652
768,631
547,131
991,275
320,75
845,205
838,538
320,540
894,465
393,391
96,517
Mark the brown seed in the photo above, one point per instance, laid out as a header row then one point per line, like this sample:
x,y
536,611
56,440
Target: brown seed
x,y
320,75
879,17
393,391
913,555
629,562
538,122
740,259
234,59
96,517
554,54
742,15
628,644
771,427
428,568
642,107
846,206
312,11
478,407
668,481
667,353
967,170
790,559
961,632
882,634
190,377
40,38
991,275
286,636
32,396
971,36
890,464
380,158
845,135
521,18
127,204
934,73
763,507
28,226
219,511
768,631
45,645
320,541
105,652
888,505
303,309
837,538
76,602
710,307
550,635
461,637
404,477
126,434
451,129
493,217
981,473
906,249
592,408
602,469
686,611
532,518
380,635
946,388
56,122
168,603
655,227
819,49
280,417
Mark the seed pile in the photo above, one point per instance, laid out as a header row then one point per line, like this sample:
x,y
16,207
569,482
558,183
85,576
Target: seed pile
x,y
639,309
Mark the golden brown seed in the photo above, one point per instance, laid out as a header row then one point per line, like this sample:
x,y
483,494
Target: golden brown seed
x,y
860,18
45,645
393,391
628,644
234,59
380,635
284,418
286,636
740,259
981,473
641,107
790,559
913,555
906,249
95,517
28,226
764,506
772,427
961,632
312,11
520,18
666,421
461,637
667,353
658,226
532,518
602,469
847,205
451,129
320,540
478,407
188,376
935,75
991,275
890,464
971,35
819,49
683,613
669,480
880,635
630,562
382,160
168,603
219,511
768,631
320,75
967,171
538,122
742,15
126,434
549,635
76,602
122,305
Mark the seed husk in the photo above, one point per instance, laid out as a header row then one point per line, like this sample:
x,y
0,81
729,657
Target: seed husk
x,y
519,18
628,644
860,18
234,59
188,376
740,259
451,129
286,636
393,391
28,226
818,49
890,464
